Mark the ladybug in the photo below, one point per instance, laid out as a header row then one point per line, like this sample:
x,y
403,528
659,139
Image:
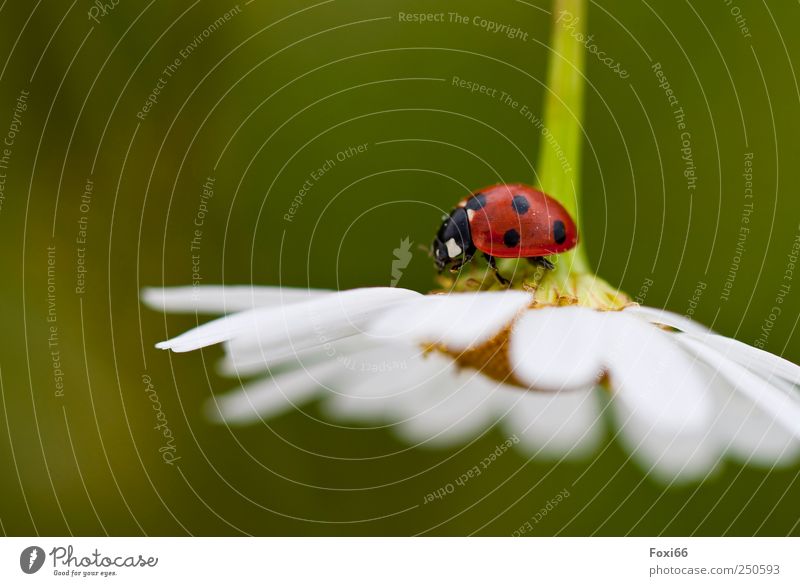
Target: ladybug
x,y
507,220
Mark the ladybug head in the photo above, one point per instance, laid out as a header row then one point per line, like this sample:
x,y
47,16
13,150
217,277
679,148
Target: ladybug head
x,y
453,242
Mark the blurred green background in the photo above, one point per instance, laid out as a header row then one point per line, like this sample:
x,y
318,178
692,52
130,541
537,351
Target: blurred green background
x,y
261,102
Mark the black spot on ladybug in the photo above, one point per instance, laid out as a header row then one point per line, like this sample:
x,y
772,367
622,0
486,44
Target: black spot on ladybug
x,y
511,238
559,232
519,203
476,202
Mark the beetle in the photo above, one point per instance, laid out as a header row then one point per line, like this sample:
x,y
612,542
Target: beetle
x,y
507,220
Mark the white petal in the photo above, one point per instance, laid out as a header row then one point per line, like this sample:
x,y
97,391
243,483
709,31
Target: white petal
x,y
431,403
245,358
670,455
667,318
325,318
774,400
455,414
755,359
223,298
394,395
558,348
749,433
554,425
571,347
272,396
654,376
302,381
457,320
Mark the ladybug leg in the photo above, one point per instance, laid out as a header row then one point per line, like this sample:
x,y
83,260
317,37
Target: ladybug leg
x,y
493,264
456,266
541,261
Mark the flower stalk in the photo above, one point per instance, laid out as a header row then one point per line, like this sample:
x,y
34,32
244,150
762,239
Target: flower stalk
x,y
559,162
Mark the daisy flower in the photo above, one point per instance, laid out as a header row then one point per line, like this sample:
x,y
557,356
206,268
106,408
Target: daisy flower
x,y
442,368
553,359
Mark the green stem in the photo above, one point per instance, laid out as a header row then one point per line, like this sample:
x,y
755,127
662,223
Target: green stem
x,y
559,163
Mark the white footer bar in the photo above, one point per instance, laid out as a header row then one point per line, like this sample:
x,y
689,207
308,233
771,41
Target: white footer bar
x,y
401,561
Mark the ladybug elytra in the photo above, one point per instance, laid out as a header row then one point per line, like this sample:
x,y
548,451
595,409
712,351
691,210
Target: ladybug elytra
x,y
508,220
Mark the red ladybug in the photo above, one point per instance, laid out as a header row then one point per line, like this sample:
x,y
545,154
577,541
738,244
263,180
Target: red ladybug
x,y
508,220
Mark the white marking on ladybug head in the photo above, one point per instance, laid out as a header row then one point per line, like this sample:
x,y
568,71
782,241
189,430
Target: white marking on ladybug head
x,y
453,249
470,214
